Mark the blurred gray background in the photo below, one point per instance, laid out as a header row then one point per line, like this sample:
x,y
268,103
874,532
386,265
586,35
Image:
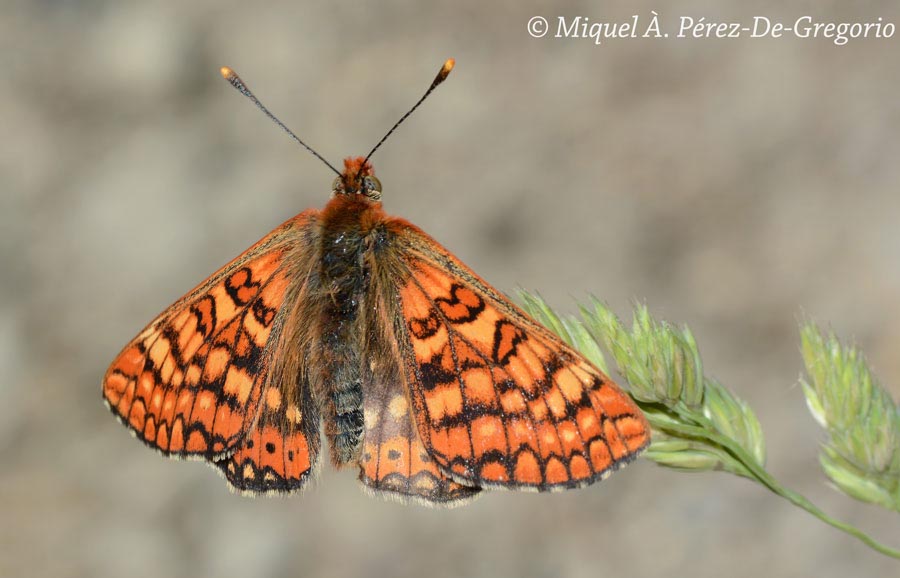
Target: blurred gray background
x,y
731,184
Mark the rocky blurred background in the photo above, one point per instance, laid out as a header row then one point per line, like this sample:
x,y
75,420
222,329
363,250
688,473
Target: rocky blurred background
x,y
731,184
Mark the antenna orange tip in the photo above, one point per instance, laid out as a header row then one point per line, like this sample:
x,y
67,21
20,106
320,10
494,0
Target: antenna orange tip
x,y
226,73
445,70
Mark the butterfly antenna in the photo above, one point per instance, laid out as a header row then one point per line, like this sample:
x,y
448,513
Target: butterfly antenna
x,y
441,77
235,80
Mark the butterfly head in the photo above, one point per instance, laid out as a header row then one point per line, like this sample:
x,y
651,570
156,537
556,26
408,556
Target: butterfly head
x,y
358,178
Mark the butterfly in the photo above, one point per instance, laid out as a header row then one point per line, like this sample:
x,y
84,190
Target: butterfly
x,y
429,380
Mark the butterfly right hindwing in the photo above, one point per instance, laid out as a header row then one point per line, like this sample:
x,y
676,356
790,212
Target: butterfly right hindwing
x,y
393,460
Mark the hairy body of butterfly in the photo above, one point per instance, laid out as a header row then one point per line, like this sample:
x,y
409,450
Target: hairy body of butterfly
x,y
426,377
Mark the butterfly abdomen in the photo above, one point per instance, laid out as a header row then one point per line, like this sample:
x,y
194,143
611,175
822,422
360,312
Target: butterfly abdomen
x,y
344,274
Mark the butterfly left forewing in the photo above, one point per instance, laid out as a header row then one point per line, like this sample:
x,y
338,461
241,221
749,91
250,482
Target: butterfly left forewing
x,y
500,401
196,382
280,451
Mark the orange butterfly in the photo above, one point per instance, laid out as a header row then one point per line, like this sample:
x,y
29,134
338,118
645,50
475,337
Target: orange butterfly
x,y
425,376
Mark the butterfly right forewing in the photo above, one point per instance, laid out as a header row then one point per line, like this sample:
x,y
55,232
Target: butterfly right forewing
x,y
499,401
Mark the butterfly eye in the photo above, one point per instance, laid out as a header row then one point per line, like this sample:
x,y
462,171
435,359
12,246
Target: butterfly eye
x,y
372,187
337,185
